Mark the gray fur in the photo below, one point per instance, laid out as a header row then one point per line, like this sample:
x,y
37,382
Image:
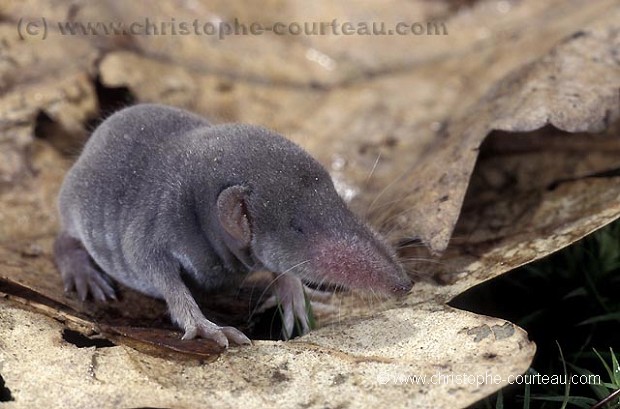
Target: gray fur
x,y
158,190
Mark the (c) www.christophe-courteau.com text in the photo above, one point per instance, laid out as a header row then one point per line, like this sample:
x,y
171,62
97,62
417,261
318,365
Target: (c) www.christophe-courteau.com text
x,y
441,378
39,27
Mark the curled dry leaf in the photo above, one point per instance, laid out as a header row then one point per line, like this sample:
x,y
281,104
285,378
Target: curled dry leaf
x,y
573,88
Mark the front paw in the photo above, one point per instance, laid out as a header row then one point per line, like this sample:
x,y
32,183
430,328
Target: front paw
x,y
221,335
290,297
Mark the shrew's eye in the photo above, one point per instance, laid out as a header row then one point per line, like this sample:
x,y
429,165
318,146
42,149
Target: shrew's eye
x,y
297,227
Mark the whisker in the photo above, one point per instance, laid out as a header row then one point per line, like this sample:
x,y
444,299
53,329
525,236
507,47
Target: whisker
x,y
385,189
424,260
372,171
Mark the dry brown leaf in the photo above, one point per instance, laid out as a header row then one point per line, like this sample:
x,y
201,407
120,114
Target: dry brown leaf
x,y
397,120
574,88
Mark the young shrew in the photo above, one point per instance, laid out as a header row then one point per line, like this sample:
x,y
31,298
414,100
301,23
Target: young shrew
x,y
160,198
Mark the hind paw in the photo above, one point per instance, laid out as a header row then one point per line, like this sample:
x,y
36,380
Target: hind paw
x,y
89,281
78,271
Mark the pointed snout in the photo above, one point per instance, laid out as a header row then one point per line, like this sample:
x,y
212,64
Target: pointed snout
x,y
358,263
403,288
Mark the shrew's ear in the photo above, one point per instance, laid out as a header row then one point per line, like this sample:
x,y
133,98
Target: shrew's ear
x,y
232,214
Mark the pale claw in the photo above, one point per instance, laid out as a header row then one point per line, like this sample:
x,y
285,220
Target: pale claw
x,y
221,335
89,281
319,301
236,336
318,295
289,295
267,304
319,308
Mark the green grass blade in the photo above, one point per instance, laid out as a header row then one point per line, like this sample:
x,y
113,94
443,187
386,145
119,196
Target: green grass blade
x,y
567,389
526,397
616,368
614,316
579,401
499,403
607,368
600,390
